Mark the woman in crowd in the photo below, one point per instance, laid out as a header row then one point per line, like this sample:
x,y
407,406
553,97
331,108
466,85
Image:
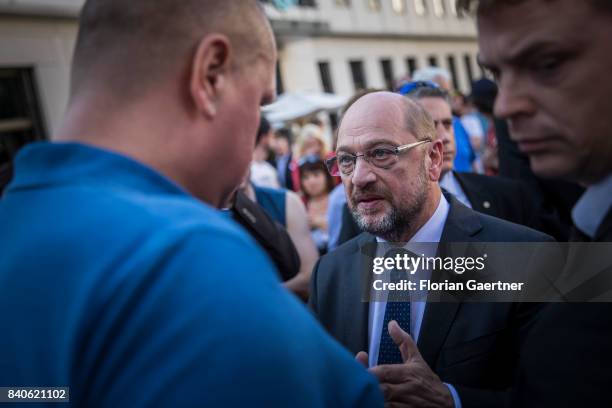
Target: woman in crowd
x,y
311,142
316,183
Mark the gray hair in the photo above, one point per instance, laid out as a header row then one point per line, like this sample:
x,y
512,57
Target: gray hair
x,y
129,46
418,121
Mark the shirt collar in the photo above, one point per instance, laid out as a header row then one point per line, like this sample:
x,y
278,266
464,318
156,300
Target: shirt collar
x,y
590,211
43,164
450,183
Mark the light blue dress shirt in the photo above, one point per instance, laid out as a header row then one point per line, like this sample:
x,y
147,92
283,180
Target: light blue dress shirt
x,y
337,200
450,183
281,166
430,232
590,211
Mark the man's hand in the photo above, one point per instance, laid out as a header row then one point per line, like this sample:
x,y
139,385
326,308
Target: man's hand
x,y
411,384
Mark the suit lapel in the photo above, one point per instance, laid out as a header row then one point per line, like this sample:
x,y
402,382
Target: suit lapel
x,y
356,282
478,196
461,225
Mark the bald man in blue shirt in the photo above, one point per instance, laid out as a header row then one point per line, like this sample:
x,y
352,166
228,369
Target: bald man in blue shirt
x,y
116,279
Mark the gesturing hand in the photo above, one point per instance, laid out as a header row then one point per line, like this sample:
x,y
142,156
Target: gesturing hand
x,y
411,384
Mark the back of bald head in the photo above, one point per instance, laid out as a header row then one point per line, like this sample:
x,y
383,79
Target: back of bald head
x,y
415,117
128,46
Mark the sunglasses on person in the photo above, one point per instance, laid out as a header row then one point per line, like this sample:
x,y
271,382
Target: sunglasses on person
x,y
410,87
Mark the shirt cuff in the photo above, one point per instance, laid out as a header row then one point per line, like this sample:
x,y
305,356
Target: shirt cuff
x,y
455,395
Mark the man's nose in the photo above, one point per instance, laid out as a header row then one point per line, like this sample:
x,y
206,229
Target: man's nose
x,y
513,99
443,134
362,173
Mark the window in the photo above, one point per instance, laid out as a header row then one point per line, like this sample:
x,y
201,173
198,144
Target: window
x,y
307,3
420,6
387,70
433,61
467,60
438,7
358,75
279,79
374,5
283,5
20,115
399,6
483,71
411,65
453,7
452,67
325,75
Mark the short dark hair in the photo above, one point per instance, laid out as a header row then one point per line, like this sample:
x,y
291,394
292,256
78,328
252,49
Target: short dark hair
x,y
264,129
131,45
478,6
284,133
315,165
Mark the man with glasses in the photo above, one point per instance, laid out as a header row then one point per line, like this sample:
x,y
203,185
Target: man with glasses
x,y
495,196
390,161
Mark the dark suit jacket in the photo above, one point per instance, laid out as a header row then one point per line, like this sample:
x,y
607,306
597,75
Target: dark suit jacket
x,y
511,200
6,173
557,196
473,346
568,361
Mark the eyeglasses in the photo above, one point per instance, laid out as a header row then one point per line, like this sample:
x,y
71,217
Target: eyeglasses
x,y
412,86
446,123
381,157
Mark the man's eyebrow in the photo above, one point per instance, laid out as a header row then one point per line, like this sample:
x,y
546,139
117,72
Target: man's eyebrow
x,y
521,55
368,145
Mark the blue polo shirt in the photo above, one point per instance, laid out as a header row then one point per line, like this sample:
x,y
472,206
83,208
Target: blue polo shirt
x,y
117,283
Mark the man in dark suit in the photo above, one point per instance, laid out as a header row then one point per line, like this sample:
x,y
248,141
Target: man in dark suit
x,y
390,161
284,157
499,197
545,68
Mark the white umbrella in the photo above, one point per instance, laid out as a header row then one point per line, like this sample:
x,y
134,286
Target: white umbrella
x,y
294,105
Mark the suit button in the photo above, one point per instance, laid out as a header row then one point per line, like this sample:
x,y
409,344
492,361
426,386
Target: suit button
x,y
486,204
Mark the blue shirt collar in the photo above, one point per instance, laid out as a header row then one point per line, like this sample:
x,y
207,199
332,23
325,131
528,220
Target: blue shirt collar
x,y
43,164
590,211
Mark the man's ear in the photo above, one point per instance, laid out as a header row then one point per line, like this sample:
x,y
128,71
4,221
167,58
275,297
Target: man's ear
x,y
436,157
210,68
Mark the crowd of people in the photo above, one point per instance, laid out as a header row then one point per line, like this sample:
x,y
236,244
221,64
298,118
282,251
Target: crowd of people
x,y
171,247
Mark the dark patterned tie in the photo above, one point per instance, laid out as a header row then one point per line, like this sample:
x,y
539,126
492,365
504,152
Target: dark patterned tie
x,y
388,352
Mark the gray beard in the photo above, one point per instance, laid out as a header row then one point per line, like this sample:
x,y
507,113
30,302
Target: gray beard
x,y
393,225
398,221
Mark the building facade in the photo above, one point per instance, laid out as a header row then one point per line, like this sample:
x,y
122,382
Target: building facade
x,y
341,46
324,45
